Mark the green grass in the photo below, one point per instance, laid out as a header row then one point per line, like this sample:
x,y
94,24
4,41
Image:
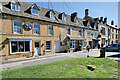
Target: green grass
x,y
72,68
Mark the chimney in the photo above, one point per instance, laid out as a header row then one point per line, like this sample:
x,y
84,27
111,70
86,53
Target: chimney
x,y
101,18
105,20
112,22
74,14
86,12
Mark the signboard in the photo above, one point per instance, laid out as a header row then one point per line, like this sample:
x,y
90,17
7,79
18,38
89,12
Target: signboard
x,y
28,26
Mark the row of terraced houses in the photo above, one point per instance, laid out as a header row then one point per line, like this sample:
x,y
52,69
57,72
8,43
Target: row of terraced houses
x,y
27,30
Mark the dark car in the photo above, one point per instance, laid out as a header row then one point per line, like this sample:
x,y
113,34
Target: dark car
x,y
113,47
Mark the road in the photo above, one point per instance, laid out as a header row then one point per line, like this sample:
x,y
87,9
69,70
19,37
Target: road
x,y
22,62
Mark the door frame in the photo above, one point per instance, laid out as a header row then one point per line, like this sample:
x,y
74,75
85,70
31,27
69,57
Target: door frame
x,y
39,47
54,46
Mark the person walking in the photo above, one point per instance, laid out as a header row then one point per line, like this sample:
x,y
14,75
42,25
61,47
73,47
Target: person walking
x,y
88,47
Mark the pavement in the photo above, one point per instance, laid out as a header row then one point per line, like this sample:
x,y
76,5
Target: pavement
x,y
22,62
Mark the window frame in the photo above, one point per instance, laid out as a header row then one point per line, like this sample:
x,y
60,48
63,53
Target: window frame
x,y
34,11
20,27
10,45
52,15
89,32
63,17
49,46
38,28
68,31
72,44
15,5
51,30
75,20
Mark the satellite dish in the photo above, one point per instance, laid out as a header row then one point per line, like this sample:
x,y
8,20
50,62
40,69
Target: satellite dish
x,y
28,26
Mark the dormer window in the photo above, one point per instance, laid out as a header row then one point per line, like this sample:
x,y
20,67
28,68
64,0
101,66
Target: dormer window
x,y
15,6
75,20
34,10
52,15
64,17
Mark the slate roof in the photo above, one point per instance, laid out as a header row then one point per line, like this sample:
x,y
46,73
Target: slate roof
x,y
42,12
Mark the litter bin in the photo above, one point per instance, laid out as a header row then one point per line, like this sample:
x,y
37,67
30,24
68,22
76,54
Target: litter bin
x,y
102,52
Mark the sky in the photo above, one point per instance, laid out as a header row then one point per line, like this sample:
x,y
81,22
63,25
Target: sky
x,y
96,9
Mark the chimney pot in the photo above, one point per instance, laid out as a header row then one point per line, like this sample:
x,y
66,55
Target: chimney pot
x,y
86,12
112,22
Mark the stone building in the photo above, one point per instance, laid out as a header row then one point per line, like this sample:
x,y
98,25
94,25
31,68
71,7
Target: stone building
x,y
27,30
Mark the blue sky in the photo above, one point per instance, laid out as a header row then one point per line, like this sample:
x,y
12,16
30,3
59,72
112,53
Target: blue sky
x,y
96,9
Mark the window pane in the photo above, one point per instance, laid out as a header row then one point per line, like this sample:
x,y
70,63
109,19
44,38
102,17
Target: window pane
x,y
21,46
36,28
27,46
17,7
50,30
17,26
14,46
48,45
13,6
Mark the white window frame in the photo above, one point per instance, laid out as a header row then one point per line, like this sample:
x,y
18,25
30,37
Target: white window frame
x,y
34,10
18,27
52,15
18,41
75,20
51,30
68,31
15,7
63,17
50,46
38,28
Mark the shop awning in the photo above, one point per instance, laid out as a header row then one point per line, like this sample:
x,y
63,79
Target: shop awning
x,y
71,37
19,38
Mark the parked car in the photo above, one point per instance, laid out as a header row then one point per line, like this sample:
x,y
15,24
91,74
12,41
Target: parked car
x,y
113,47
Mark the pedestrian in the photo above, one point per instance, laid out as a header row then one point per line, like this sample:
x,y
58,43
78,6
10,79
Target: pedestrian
x,y
88,47
98,46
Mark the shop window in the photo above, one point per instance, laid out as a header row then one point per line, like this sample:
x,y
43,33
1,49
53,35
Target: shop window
x,y
50,30
48,45
72,44
68,30
19,46
36,28
17,27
